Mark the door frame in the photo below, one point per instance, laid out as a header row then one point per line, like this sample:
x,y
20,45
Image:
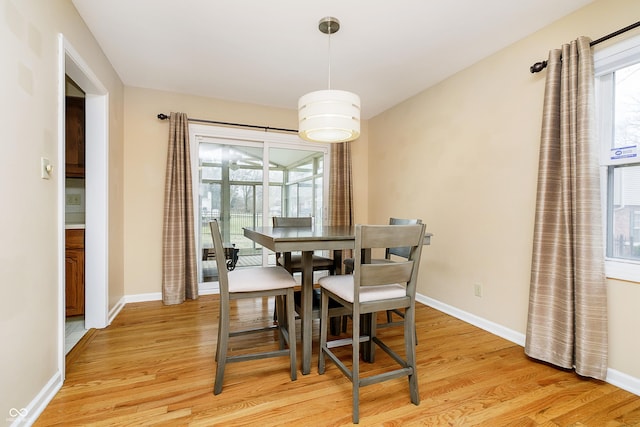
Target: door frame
x,y
71,63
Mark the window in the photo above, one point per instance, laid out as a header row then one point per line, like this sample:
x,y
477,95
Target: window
x,y
618,112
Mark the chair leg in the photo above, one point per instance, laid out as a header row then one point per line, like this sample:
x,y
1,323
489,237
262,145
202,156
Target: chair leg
x,y
221,351
219,334
291,328
324,314
410,351
279,313
355,367
390,320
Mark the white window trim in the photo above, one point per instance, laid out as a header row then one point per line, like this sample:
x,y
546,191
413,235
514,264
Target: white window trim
x,y
609,59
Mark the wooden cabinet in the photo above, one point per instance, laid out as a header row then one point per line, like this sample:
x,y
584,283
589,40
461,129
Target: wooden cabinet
x,y
74,287
74,137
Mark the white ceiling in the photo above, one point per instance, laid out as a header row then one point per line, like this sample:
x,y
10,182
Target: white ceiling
x,y
270,52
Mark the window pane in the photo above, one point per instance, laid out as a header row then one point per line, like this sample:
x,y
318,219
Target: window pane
x,y
624,208
275,175
305,198
291,201
301,171
275,200
241,173
210,172
318,200
627,106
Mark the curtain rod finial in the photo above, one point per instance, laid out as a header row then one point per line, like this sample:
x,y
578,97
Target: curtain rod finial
x,y
163,116
538,66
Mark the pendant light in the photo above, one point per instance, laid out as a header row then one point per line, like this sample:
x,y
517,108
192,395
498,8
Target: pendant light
x,y
329,115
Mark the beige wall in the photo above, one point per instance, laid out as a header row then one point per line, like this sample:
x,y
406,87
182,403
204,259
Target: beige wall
x,y
29,270
463,156
145,160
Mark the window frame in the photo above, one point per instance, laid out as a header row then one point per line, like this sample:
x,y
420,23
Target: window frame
x,y
607,61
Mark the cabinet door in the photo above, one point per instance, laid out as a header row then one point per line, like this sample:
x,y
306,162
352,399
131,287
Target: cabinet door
x,y
74,137
74,289
74,270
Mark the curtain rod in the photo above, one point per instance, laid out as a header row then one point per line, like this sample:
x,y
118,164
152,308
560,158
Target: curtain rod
x,y
163,116
539,66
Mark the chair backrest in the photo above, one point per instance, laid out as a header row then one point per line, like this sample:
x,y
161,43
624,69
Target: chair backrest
x,y
282,221
221,261
400,251
383,236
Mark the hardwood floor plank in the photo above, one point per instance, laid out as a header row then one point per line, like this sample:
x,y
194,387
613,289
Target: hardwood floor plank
x,y
155,366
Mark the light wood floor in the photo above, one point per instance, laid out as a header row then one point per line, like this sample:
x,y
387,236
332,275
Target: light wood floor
x,y
155,366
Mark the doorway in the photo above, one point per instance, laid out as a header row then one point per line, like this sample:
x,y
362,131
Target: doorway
x,y
96,241
74,210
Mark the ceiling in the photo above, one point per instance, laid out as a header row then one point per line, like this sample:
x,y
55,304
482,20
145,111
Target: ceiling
x,y
271,52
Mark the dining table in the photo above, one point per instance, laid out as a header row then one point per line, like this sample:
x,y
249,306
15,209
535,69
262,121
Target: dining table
x,y
307,240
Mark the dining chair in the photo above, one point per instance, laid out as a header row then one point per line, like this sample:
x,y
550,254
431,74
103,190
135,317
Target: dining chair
x,y
402,252
370,289
252,282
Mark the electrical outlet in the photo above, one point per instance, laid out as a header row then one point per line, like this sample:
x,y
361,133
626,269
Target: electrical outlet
x,y
477,289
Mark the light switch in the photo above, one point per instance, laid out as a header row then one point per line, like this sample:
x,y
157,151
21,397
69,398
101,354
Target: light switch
x,y
45,168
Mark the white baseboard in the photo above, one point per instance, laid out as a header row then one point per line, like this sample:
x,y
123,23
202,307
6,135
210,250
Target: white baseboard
x,y
206,288
624,381
116,309
153,296
27,416
616,378
489,326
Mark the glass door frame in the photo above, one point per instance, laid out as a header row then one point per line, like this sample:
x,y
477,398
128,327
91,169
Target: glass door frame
x,y
199,133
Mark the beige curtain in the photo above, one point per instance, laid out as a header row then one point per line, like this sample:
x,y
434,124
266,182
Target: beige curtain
x,y
340,185
567,322
341,188
179,276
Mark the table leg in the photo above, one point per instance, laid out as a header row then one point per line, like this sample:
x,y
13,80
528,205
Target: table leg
x,y
368,327
367,321
337,260
307,310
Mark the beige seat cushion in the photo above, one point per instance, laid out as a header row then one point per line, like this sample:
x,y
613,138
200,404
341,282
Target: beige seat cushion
x,y
259,279
342,286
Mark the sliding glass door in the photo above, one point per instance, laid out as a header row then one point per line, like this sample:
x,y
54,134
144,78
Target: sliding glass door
x,y
234,167
296,183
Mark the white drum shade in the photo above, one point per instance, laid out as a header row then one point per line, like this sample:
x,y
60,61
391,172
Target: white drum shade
x,y
329,116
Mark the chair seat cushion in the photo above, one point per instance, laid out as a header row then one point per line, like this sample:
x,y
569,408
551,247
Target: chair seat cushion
x,y
342,286
260,279
318,261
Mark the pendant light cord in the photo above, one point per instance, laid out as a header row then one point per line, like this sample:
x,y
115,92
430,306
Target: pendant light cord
x,y
329,44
